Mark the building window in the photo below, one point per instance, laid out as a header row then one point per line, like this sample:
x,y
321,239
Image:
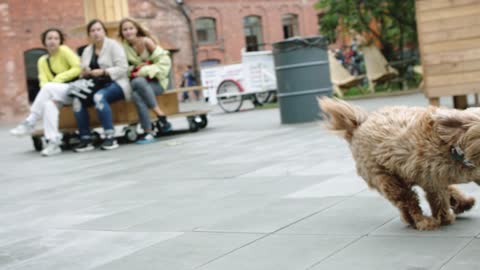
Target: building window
x,y
206,30
209,63
290,25
252,27
319,18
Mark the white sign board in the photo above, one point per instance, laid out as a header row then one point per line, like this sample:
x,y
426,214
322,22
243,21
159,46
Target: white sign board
x,y
259,68
213,76
256,73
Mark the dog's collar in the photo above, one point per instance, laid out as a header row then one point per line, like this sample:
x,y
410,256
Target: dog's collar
x,y
457,154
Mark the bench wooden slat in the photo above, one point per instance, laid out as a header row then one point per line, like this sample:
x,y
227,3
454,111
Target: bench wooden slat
x,y
185,89
125,112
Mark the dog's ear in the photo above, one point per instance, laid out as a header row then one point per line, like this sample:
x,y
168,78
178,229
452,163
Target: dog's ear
x,y
450,125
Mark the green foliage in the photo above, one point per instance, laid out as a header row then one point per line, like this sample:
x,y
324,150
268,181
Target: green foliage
x,y
396,20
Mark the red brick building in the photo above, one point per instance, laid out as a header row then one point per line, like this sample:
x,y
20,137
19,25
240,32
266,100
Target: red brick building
x,y
221,28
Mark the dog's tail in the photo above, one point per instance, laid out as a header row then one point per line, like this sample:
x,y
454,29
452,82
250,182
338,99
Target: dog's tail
x,y
342,117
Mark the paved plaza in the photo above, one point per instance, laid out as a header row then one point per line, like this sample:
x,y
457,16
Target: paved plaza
x,y
246,193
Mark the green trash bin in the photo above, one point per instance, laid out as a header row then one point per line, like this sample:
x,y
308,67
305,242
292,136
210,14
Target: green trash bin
x,y
301,67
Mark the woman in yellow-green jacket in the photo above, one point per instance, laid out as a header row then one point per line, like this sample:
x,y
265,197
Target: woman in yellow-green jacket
x,y
149,69
59,66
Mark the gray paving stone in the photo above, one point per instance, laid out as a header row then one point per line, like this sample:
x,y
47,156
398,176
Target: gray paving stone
x,y
85,250
281,252
467,259
187,251
273,217
353,216
372,253
245,193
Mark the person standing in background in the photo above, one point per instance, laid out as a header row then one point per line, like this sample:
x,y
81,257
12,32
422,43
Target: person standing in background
x,y
189,80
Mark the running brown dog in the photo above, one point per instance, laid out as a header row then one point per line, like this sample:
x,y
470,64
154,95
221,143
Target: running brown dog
x,y
397,148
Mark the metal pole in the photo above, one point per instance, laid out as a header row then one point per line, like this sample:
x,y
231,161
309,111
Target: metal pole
x,y
192,37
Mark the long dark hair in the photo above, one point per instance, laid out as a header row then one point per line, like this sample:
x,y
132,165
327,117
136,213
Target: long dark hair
x,y
94,21
43,36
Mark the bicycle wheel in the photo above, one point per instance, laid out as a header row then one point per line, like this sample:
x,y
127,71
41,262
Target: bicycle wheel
x,y
229,96
263,97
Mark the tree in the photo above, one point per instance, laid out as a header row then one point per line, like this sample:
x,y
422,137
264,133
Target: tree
x,y
395,19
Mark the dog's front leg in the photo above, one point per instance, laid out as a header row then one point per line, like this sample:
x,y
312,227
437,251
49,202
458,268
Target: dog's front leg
x,y
406,200
439,201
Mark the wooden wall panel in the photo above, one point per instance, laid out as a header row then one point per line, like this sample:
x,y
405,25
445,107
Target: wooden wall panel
x,y
105,10
448,24
443,35
448,46
426,5
449,37
451,12
453,90
455,79
451,68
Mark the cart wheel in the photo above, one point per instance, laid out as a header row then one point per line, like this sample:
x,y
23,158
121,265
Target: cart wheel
x,y
263,97
96,138
37,143
229,96
193,126
131,134
66,141
157,127
203,120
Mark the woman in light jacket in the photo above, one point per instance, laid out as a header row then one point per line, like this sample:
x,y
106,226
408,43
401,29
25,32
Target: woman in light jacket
x,y
149,69
55,69
103,61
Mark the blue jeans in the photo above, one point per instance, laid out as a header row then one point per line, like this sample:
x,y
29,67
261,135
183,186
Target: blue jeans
x,y
102,99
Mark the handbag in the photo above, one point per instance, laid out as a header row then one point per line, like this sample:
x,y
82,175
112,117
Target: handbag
x,y
134,73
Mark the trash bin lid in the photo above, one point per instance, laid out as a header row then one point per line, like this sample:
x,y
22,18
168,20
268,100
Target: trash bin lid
x,y
295,43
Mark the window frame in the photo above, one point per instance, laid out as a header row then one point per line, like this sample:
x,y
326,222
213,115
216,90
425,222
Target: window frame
x,y
257,29
290,24
209,31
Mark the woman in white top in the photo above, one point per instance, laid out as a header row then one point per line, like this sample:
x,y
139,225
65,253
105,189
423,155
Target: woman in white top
x,y
103,61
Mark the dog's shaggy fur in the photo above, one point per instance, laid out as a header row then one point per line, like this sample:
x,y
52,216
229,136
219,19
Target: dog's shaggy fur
x,y
397,148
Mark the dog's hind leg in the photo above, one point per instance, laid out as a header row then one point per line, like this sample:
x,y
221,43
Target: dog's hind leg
x,y
458,201
406,200
439,201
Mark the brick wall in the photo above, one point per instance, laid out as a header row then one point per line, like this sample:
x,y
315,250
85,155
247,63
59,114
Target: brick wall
x,y
22,21
166,22
229,22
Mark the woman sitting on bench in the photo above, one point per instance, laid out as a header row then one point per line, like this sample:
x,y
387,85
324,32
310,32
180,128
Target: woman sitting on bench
x,y
149,69
103,61
56,68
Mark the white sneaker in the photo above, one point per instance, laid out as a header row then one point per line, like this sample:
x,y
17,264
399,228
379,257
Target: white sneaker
x,y
22,129
51,149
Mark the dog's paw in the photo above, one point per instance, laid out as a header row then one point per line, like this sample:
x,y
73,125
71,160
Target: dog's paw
x,y
448,219
461,206
407,219
427,224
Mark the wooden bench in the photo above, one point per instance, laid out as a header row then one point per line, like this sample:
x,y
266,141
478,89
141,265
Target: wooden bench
x,y
125,113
